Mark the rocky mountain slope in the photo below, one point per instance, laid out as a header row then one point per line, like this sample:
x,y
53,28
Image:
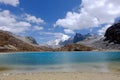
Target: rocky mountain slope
x,y
99,44
105,45
110,42
11,42
27,39
75,47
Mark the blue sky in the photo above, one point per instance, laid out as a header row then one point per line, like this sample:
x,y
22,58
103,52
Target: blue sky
x,y
47,10
51,21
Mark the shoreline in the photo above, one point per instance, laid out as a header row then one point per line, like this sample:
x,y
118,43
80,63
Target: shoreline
x,y
58,51
61,76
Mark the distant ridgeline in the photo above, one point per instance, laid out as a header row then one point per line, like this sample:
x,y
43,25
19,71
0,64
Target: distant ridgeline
x,y
111,41
11,42
78,37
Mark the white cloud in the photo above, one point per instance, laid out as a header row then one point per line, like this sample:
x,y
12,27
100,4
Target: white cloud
x,y
76,21
103,30
68,31
53,43
57,37
8,22
38,28
10,2
15,24
91,14
61,36
34,19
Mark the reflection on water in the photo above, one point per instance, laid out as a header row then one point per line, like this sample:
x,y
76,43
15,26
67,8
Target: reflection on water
x,y
62,61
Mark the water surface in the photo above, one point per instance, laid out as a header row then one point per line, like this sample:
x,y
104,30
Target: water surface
x,y
61,61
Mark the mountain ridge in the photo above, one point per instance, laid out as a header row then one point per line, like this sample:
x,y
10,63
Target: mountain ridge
x,y
78,37
9,42
88,42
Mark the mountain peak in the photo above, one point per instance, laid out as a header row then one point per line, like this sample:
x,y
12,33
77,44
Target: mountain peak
x,y
78,37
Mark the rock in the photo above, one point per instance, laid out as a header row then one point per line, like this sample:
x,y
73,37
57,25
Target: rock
x,y
78,37
31,40
113,33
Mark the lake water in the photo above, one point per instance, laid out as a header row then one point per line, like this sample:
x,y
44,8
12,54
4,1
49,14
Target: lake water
x,y
61,61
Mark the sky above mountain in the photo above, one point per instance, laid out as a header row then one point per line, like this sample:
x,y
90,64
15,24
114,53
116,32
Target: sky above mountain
x,y
52,21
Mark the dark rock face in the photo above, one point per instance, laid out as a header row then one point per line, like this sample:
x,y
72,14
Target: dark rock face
x,y
31,40
113,33
78,37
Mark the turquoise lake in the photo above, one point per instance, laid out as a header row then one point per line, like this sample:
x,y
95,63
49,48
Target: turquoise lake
x,y
61,61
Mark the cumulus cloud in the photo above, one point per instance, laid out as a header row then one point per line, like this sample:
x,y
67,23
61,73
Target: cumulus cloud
x,y
68,31
34,19
91,14
8,22
76,21
10,2
13,23
57,37
61,36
